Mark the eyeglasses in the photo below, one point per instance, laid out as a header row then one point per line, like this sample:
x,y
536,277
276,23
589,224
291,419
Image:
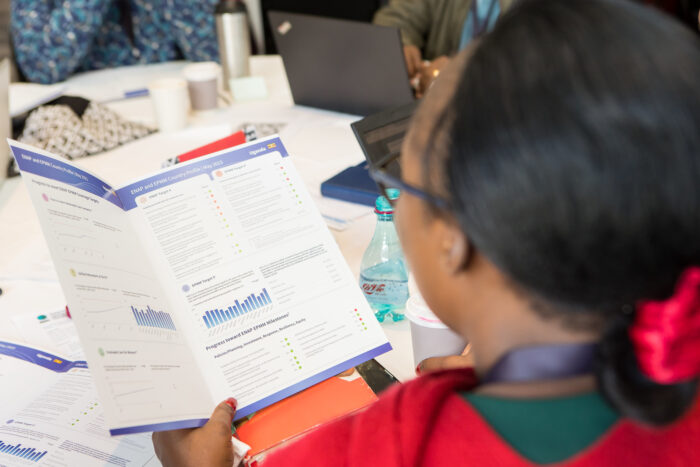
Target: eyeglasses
x,y
387,182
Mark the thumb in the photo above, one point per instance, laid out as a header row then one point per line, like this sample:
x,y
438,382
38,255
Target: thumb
x,y
222,417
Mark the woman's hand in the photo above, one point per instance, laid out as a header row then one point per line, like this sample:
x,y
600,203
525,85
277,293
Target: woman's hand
x,y
209,445
444,363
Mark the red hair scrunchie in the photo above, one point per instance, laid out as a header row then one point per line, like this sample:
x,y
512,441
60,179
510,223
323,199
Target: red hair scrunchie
x,y
666,334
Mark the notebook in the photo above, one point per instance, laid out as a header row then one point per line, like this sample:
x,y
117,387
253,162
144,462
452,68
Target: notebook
x,y
352,184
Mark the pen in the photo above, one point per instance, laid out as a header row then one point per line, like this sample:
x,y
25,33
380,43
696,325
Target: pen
x,y
129,94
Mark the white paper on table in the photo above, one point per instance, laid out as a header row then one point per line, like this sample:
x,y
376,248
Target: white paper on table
x,y
53,330
55,418
338,214
26,96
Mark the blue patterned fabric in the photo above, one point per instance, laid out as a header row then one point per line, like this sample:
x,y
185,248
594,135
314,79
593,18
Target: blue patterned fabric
x,y
54,39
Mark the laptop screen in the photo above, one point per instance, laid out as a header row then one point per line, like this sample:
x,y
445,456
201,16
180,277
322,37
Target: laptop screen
x,y
381,136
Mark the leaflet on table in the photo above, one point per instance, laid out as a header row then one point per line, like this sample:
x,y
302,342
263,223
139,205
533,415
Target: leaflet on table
x,y
211,279
53,329
50,414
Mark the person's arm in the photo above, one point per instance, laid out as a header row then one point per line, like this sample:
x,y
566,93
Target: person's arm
x,y
413,18
52,42
194,28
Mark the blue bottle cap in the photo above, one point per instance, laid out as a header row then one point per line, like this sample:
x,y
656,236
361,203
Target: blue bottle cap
x,y
382,205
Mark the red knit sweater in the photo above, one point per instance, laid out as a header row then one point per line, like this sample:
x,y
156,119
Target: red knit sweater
x,y
426,422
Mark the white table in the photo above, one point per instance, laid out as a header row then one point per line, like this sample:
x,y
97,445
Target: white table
x,y
321,144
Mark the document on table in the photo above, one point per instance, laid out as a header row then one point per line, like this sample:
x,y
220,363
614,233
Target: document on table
x,y
51,329
210,279
51,416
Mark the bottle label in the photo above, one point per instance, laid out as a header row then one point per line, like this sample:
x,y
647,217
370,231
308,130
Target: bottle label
x,y
385,291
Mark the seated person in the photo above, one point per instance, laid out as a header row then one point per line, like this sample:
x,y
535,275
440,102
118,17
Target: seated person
x,y
438,28
550,211
54,39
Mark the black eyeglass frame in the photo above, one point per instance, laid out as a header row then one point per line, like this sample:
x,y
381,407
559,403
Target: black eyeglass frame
x,y
385,181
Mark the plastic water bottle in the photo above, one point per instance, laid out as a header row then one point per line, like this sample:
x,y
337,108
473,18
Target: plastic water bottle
x,y
383,271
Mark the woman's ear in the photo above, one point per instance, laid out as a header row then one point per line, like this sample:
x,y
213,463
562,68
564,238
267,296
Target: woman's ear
x,y
455,249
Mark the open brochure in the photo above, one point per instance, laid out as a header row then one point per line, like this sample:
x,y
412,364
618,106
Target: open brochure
x,y
210,279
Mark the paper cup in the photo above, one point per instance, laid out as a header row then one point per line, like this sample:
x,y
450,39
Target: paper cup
x,y
170,103
203,85
430,338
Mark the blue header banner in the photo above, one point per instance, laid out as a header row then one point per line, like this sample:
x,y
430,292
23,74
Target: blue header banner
x,y
54,169
44,359
203,165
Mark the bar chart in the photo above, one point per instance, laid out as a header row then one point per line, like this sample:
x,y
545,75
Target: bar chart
x,y
17,450
253,302
153,319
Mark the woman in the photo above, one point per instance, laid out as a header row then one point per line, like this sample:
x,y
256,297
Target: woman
x,y
54,39
550,213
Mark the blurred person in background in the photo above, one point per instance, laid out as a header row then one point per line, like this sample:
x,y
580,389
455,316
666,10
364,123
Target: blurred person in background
x,y
54,39
433,30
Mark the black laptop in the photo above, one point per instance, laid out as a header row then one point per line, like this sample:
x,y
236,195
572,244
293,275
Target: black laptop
x,y
346,66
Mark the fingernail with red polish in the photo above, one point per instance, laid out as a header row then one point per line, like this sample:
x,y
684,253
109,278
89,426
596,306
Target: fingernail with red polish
x,y
254,464
231,402
418,370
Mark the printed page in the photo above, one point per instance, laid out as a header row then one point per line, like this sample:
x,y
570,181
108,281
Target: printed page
x,y
53,329
261,285
51,416
133,341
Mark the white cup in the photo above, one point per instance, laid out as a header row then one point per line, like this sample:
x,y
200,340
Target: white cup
x,y
203,84
170,103
429,336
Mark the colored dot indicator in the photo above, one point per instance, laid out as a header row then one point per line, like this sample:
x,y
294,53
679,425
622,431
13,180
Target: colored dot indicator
x,y
41,317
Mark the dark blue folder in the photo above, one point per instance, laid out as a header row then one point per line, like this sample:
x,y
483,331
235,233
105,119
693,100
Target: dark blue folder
x,y
352,184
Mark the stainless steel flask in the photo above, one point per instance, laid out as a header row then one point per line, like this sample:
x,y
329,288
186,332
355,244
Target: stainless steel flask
x,y
234,39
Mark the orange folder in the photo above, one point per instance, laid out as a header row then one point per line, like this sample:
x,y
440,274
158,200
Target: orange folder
x,y
272,426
